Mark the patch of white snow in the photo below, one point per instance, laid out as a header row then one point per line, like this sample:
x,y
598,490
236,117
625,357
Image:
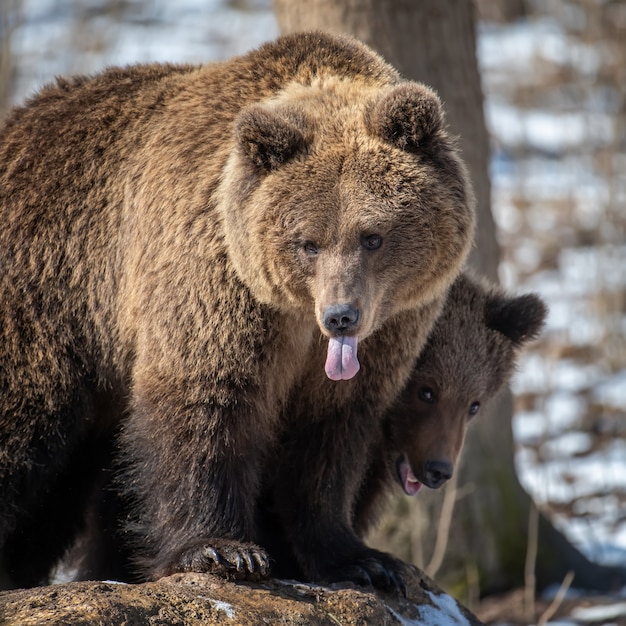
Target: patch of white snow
x,y
445,611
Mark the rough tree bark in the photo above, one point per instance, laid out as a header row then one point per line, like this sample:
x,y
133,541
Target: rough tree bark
x,y
434,41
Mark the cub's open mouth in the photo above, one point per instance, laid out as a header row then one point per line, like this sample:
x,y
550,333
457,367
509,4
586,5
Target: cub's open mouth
x,y
407,479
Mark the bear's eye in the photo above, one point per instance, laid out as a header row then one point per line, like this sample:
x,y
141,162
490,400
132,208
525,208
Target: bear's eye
x,y
310,249
474,408
371,242
426,394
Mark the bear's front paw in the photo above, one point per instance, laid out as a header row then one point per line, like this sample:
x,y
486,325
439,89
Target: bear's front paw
x,y
375,569
227,558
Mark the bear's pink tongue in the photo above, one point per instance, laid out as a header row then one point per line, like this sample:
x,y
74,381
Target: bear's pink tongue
x,y
341,361
410,484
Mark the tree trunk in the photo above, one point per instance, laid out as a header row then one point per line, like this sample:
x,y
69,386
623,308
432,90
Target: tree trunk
x,y
434,41
10,17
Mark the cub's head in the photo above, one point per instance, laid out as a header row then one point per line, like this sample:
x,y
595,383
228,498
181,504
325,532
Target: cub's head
x,y
346,202
470,354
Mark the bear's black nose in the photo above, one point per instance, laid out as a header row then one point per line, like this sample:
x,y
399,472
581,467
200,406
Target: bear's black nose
x,y
339,318
437,473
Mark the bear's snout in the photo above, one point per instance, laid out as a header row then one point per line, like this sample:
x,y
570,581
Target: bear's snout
x,y
437,472
340,318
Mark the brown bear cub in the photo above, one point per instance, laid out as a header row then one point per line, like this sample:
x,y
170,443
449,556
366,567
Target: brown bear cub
x,y
183,249
470,354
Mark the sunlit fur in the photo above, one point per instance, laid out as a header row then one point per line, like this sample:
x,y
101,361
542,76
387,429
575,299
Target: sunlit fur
x,y
156,305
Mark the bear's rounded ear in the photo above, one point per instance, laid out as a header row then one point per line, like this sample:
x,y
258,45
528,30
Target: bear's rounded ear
x,y
520,319
407,116
267,138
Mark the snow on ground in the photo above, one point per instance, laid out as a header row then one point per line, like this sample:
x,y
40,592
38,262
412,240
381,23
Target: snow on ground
x,y
444,611
185,31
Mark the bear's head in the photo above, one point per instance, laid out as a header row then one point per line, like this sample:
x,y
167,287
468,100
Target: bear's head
x,y
345,203
470,354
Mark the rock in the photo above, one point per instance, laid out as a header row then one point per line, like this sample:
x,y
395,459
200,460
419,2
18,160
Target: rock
x,y
190,599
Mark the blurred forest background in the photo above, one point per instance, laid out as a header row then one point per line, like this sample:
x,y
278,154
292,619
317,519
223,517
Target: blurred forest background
x,y
555,85
554,80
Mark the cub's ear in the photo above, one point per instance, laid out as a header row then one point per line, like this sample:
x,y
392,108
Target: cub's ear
x,y
520,319
267,138
407,116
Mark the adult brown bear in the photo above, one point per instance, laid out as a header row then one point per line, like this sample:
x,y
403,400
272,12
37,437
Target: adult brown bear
x,y
180,246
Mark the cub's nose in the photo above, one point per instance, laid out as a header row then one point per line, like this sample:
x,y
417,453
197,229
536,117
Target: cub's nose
x,y
437,473
340,318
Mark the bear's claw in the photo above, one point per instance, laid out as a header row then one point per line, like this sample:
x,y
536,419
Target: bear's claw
x,y
382,572
230,559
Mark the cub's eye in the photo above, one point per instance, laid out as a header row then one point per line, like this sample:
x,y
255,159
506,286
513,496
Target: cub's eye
x,y
310,249
426,394
371,242
474,408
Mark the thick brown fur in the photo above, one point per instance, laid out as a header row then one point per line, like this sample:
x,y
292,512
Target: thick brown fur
x,y
172,238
